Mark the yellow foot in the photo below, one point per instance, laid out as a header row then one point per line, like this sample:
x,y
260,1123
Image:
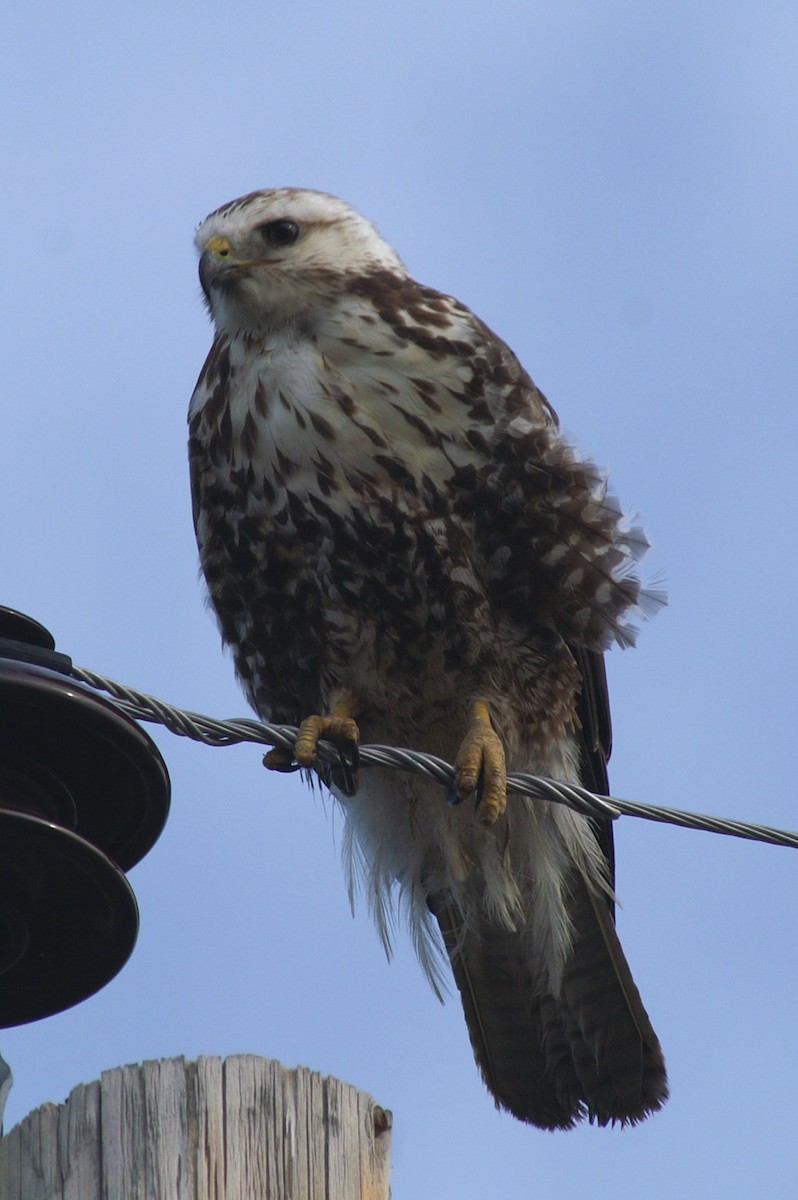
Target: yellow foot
x,y
480,768
339,728
280,760
341,731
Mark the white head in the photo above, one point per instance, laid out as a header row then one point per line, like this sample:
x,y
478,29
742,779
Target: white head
x,y
269,258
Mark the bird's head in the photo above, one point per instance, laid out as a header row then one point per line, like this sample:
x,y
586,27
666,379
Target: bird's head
x,y
272,257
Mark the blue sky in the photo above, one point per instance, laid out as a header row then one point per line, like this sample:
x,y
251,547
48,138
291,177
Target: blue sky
x,y
613,187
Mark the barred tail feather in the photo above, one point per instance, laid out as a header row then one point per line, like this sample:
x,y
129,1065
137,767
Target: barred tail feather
x,y
551,1060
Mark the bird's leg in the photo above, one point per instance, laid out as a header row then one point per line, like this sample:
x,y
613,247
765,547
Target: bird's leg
x,y
339,727
480,768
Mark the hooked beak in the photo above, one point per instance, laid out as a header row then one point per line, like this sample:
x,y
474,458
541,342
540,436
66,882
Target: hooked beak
x,y
215,262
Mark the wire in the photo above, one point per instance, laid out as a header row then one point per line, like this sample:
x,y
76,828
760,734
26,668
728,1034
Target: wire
x,y
215,732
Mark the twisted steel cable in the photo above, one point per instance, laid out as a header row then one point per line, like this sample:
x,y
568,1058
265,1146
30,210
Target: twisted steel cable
x,y
215,732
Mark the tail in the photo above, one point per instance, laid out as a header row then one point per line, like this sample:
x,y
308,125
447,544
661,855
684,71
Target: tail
x,y
589,1051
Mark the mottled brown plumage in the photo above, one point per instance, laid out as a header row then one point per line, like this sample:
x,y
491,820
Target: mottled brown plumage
x,y
392,529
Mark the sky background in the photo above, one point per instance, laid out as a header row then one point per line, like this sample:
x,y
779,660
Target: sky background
x,y
613,187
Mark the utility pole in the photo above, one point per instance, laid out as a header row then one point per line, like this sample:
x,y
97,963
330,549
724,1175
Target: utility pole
x,y
243,1128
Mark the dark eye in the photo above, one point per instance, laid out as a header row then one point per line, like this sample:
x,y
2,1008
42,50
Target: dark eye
x,y
279,233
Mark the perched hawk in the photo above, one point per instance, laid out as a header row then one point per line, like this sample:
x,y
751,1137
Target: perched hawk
x,y
400,546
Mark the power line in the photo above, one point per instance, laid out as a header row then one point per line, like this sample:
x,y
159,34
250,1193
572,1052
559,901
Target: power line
x,y
214,732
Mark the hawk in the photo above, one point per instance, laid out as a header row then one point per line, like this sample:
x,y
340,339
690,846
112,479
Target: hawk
x,y
400,545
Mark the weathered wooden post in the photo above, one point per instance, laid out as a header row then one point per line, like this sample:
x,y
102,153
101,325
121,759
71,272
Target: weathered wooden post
x,y
245,1128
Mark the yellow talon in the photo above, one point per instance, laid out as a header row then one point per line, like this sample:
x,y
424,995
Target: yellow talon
x,y
480,766
340,728
341,731
279,759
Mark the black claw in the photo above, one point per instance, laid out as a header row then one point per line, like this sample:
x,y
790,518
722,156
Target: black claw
x,y
347,773
452,798
349,763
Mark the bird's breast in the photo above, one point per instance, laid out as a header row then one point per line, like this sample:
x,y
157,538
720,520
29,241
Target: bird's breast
x,y
294,423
